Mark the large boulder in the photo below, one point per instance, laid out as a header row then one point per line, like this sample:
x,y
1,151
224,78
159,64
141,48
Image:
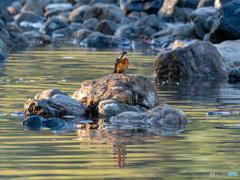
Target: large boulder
x,y
230,52
111,108
127,89
54,103
54,24
107,27
199,59
226,26
78,13
36,6
149,6
149,21
81,34
90,24
162,114
105,11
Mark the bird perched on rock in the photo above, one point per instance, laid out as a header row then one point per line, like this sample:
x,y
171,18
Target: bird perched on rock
x,y
121,63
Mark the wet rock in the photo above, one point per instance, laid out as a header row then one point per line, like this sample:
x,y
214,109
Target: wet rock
x,y
127,32
78,13
3,50
230,52
182,14
127,89
149,21
36,6
162,114
81,34
59,6
26,17
103,41
49,103
209,23
199,27
182,43
148,6
63,33
54,24
34,121
36,39
90,24
199,59
107,27
105,11
181,32
18,40
218,113
205,3
234,74
226,26
141,44
111,108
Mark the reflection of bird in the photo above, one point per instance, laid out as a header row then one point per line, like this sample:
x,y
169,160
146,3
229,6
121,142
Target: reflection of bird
x,y
121,63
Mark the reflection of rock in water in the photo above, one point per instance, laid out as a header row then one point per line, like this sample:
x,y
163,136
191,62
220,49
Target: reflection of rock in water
x,y
191,88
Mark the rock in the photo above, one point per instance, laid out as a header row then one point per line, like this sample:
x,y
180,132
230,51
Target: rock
x,y
204,12
206,37
19,41
127,32
205,3
49,93
111,108
168,6
52,13
81,34
76,26
137,15
162,44
64,17
141,44
63,33
182,14
4,14
36,39
12,10
226,26
34,121
103,41
25,17
188,3
182,43
148,6
181,32
149,21
104,2
209,23
3,50
107,27
105,11
149,31
199,59
220,3
90,24
162,114
199,27
230,52
77,14
57,105
127,89
234,74
54,24
36,6
59,6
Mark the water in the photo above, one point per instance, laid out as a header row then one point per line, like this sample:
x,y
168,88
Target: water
x,y
208,143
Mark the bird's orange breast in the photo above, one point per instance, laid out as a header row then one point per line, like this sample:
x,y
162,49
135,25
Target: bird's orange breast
x,y
122,66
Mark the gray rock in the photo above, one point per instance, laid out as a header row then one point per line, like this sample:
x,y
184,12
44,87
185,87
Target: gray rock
x,y
52,13
129,20
234,74
230,52
205,3
199,27
36,6
75,26
137,15
54,24
3,50
49,93
149,21
107,27
182,14
19,41
77,14
104,2
4,14
62,33
105,11
206,37
162,114
200,59
90,24
209,23
125,31
220,3
141,44
34,121
204,12
81,34
149,31
111,108
59,6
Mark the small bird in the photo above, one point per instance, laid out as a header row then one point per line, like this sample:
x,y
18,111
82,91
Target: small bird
x,y
121,63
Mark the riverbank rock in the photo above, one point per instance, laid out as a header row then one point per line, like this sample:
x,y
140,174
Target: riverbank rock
x,y
226,26
205,3
230,52
127,89
54,24
150,21
234,74
148,6
54,103
109,108
220,3
104,11
182,14
77,14
182,43
162,114
107,27
90,24
36,6
199,59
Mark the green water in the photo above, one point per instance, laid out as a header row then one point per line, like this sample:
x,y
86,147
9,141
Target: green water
x,y
209,143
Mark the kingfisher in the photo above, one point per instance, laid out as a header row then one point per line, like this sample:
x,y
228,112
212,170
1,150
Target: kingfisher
x,y
121,63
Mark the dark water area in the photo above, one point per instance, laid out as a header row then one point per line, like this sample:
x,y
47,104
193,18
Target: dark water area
x,y
137,151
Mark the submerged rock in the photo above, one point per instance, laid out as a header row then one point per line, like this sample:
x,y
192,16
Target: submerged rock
x,y
54,103
199,59
127,89
162,114
111,108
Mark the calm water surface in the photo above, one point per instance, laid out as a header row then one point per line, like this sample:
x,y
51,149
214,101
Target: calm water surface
x,y
209,143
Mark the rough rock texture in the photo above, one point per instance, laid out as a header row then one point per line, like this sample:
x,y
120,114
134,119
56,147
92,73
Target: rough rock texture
x,y
107,27
182,14
149,6
127,89
230,52
36,6
199,59
49,103
90,24
234,74
54,24
105,11
111,108
227,26
162,114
